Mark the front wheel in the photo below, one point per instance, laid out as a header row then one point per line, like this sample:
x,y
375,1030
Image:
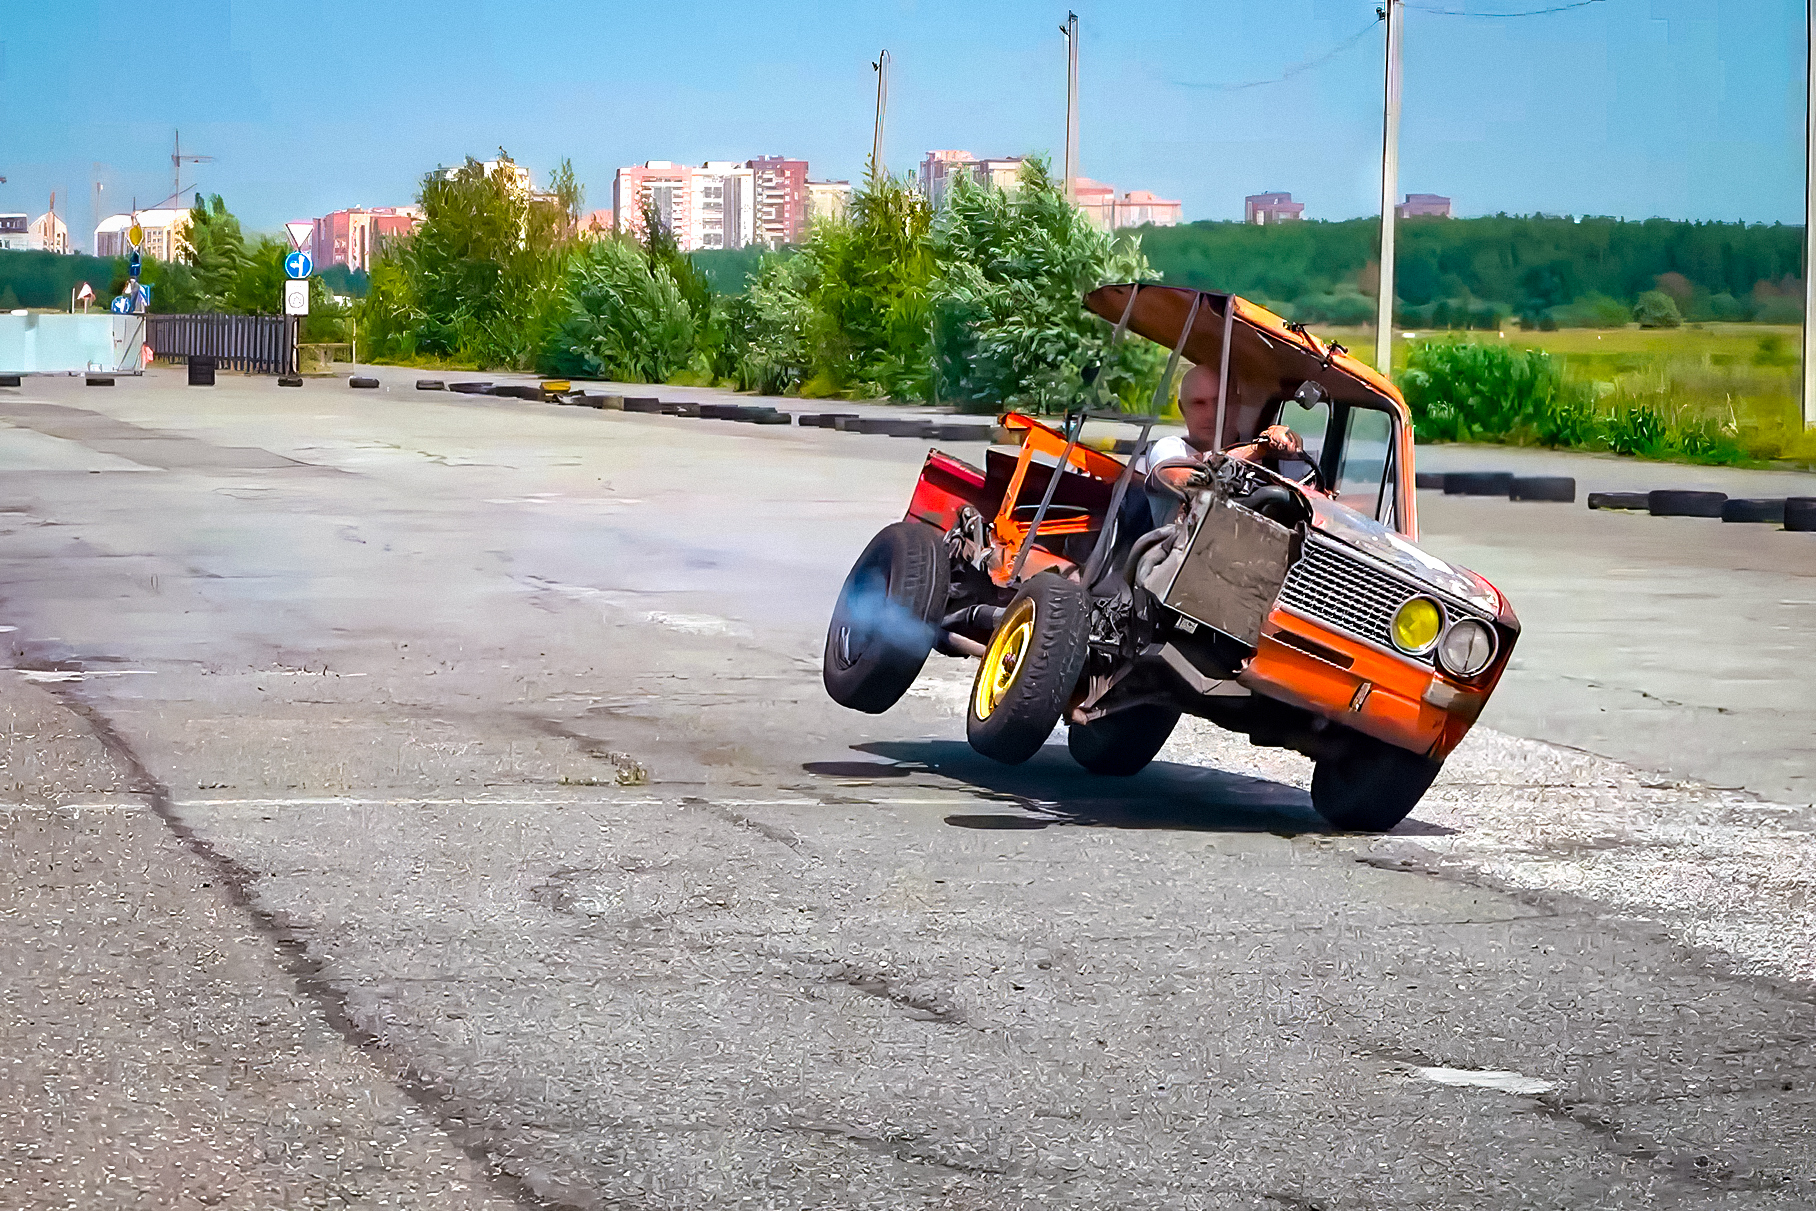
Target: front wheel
x,y
884,624
1027,673
1369,786
1122,744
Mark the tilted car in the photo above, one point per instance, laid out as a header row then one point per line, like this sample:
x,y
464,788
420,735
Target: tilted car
x,y
1288,603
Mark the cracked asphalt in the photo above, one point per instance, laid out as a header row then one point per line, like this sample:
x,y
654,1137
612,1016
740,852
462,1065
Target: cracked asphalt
x,y
423,801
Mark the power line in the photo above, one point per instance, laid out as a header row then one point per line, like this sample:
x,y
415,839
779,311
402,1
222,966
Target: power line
x,y
1534,12
1297,68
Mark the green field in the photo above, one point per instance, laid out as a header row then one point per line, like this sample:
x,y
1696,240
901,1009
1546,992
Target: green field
x,y
1745,377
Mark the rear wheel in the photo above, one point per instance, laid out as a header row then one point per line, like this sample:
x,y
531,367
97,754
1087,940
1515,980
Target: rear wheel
x,y
1370,786
1026,675
883,626
1123,743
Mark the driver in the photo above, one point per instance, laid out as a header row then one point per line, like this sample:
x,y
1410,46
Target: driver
x,y
1198,407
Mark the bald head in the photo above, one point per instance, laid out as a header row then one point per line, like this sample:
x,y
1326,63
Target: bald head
x,y
1198,408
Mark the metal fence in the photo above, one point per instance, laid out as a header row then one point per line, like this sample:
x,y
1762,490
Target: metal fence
x,y
257,343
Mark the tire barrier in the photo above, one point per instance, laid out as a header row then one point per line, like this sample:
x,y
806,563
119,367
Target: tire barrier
x,y
9,380
98,380
1800,513
471,388
366,384
642,403
1618,500
1766,510
1559,488
1478,483
1673,502
289,380
1428,481
430,384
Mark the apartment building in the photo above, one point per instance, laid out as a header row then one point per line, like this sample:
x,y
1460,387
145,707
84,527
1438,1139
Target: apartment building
x,y
354,236
1109,211
163,238
712,206
828,200
1260,209
1423,205
15,233
50,232
779,200
940,168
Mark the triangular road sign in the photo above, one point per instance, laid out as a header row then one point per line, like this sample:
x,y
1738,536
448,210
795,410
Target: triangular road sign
x,y
301,233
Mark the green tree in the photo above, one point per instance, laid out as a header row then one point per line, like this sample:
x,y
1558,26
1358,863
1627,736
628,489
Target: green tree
x,y
1010,329
215,250
1656,309
871,307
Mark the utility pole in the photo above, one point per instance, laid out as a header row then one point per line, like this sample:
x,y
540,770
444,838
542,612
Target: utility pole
x,y
1394,14
882,106
1070,30
177,160
1809,212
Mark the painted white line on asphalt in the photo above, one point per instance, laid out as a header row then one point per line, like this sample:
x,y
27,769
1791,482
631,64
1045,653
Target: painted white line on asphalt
x,y
62,675
696,624
1504,1082
416,802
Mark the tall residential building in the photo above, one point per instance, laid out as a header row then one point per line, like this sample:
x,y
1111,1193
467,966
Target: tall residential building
x,y
354,236
163,234
50,232
780,199
1108,212
15,233
940,168
1264,208
712,206
1423,205
828,200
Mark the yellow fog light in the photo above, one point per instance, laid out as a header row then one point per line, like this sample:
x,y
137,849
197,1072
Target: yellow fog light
x,y
1416,626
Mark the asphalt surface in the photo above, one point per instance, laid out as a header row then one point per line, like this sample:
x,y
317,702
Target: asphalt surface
x,y
455,774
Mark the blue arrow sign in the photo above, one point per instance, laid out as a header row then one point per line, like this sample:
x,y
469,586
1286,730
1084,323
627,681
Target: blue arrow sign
x,y
298,264
122,305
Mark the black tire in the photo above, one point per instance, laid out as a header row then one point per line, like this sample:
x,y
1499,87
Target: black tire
x,y
1122,744
1800,513
1670,502
1478,483
1618,500
1369,786
1428,481
1766,510
1560,488
882,627
1027,672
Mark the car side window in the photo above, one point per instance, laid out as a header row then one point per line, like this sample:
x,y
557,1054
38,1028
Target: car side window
x,y
1362,478
1311,424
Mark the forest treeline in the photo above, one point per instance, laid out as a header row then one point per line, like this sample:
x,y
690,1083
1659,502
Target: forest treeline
x,y
1540,271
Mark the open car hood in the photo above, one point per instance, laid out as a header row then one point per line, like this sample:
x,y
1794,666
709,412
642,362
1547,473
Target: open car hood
x,y
1392,548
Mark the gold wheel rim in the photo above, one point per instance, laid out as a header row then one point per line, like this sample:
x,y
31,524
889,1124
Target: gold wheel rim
x,y
1003,659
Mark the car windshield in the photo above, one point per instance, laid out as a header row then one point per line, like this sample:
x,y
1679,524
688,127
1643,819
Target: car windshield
x,y
1352,446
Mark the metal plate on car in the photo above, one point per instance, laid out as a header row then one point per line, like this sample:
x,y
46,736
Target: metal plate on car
x,y
1232,571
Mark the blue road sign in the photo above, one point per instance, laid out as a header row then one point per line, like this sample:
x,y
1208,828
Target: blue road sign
x,y
122,305
298,264
132,264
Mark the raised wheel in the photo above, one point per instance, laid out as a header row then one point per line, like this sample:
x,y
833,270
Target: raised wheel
x,y
1123,743
1369,786
883,626
1029,669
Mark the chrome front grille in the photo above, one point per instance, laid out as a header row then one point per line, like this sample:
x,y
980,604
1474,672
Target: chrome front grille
x,y
1330,585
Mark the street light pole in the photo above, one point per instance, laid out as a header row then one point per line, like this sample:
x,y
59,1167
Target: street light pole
x,y
1394,13
1809,212
882,106
1070,29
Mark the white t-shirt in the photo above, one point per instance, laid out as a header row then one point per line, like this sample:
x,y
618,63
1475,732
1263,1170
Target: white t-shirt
x,y
1165,449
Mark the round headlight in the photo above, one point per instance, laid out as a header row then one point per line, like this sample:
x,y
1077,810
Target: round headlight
x,y
1467,647
1416,625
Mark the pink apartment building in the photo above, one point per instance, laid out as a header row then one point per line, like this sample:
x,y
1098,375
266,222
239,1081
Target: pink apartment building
x,y
353,237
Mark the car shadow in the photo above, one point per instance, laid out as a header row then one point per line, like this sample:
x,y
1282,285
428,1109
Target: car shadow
x,y
1050,789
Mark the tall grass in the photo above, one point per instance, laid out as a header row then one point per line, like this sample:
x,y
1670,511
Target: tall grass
x,y
1701,407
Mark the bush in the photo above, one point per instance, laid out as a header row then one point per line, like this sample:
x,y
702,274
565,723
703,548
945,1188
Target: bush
x,y
1635,429
1463,391
1656,309
1593,311
623,318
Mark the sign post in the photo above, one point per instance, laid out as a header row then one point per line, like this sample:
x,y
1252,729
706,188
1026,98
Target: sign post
x,y
136,299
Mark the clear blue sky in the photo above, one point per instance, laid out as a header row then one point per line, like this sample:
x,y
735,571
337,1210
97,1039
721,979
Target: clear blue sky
x,y
1682,108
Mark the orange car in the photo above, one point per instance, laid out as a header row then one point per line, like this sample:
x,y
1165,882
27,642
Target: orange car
x,y
1288,602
